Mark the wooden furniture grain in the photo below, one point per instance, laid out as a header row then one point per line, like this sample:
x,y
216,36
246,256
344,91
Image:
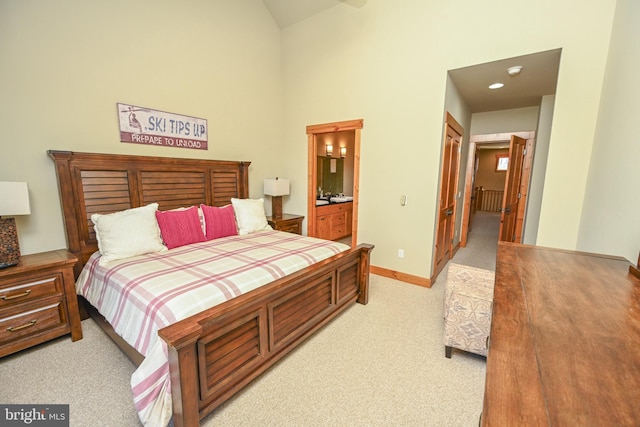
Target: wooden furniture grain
x,y
38,301
564,340
254,330
289,223
333,221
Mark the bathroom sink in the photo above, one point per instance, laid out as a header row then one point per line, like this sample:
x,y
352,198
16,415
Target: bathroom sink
x,y
322,202
341,199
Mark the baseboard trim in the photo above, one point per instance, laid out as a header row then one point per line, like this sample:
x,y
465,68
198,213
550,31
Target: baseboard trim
x,y
403,277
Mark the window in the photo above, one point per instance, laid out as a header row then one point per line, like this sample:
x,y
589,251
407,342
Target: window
x,y
502,162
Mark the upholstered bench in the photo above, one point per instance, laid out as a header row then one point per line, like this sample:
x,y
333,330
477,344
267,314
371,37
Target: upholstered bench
x,y
468,301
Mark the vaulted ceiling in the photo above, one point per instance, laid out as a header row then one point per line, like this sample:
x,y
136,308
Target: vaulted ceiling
x,y
287,12
538,77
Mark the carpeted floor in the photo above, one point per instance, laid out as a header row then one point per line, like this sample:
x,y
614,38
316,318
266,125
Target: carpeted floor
x,y
375,365
482,242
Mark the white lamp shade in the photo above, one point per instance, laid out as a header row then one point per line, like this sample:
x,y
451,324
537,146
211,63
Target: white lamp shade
x,y
14,199
276,187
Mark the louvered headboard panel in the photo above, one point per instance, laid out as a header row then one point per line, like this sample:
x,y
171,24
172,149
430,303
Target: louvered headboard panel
x,y
173,189
224,185
104,183
103,192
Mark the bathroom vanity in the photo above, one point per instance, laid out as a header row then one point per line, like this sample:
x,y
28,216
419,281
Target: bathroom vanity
x,y
333,220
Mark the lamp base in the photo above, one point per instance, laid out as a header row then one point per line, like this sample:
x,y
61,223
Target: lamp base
x,y
276,207
9,245
5,265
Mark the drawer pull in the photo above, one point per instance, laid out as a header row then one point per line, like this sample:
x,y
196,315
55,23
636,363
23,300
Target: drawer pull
x,y
6,298
17,328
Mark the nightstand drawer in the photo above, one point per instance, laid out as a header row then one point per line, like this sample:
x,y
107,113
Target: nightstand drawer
x,y
38,301
288,222
31,318
291,228
29,288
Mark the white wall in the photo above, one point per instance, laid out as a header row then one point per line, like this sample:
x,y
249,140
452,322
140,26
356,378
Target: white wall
x,y
65,65
538,171
387,62
611,219
503,121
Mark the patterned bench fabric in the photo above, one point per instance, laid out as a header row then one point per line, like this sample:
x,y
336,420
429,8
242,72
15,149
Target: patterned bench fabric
x,y
467,308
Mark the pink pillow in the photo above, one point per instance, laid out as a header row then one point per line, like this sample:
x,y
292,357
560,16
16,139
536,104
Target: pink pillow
x,y
180,227
220,222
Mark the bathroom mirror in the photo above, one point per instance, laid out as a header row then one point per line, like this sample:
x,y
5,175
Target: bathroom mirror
x,y
330,175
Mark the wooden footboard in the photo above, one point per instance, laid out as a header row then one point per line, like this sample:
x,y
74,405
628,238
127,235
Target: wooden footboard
x,y
217,352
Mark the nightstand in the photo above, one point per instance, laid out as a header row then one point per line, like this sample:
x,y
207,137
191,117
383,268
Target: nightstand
x,y
289,223
38,301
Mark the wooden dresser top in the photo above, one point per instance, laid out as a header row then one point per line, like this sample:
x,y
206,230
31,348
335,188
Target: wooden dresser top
x,y
565,340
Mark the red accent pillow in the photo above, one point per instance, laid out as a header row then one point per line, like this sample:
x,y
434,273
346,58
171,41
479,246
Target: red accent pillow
x,y
180,227
220,222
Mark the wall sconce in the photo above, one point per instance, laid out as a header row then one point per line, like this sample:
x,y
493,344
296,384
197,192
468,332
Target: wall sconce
x,y
276,188
14,200
329,148
343,151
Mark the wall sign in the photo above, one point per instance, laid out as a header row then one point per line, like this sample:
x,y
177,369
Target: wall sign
x,y
140,125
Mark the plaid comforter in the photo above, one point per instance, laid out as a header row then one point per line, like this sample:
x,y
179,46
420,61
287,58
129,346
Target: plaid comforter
x,y
140,295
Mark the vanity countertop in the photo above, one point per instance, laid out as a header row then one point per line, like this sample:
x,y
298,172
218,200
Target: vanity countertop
x,y
323,201
333,199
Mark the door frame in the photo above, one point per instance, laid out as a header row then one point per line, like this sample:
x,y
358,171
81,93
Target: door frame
x,y
449,122
490,138
312,132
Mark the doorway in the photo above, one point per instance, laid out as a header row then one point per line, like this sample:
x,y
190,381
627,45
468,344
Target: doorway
x,y
513,198
485,110
314,134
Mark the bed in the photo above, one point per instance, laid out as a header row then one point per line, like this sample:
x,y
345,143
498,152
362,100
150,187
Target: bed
x,y
253,330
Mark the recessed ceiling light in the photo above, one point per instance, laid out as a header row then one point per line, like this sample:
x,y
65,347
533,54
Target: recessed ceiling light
x,y
496,85
514,71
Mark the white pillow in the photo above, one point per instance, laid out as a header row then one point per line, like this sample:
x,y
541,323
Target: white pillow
x,y
128,233
250,215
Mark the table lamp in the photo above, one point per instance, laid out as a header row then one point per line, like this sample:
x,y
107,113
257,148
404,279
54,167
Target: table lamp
x,y
14,200
276,188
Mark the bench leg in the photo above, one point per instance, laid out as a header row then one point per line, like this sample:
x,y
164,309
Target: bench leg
x,y
447,351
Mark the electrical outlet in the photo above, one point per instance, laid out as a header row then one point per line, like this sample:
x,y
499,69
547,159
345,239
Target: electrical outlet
x,y
400,253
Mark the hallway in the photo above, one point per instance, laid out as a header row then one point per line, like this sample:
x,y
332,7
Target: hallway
x,y
482,243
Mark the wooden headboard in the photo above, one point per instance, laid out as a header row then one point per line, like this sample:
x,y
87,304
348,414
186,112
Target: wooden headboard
x,y
104,183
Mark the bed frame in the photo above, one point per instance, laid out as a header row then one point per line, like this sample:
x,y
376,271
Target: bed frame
x,y
215,353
